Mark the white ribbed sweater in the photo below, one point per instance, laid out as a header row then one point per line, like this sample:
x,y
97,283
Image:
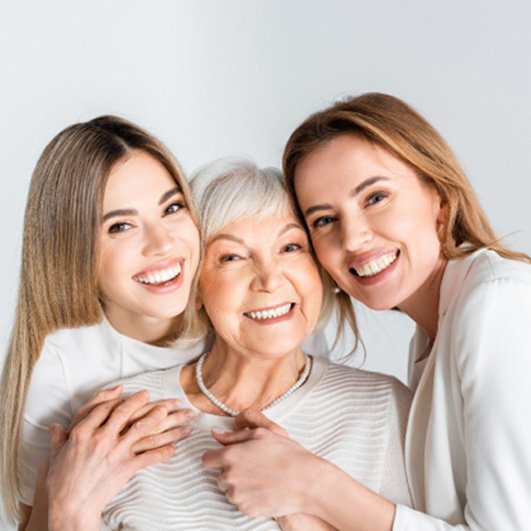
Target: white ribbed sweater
x,y
356,419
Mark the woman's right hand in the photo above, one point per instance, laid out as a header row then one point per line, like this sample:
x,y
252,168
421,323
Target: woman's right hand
x,y
110,440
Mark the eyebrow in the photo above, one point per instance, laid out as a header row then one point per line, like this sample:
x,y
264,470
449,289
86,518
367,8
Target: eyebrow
x,y
353,193
133,212
230,237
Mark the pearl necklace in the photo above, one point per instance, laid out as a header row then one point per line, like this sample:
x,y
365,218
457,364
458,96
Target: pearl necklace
x,y
226,409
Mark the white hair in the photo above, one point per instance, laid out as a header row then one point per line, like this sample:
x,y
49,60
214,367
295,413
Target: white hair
x,y
234,188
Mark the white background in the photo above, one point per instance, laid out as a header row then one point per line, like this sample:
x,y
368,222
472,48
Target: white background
x,y
214,78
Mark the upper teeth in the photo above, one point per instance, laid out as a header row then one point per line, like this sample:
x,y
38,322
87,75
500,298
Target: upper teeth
x,y
376,266
270,314
158,277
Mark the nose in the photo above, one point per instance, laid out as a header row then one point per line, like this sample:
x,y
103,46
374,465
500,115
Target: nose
x,y
157,241
267,277
355,233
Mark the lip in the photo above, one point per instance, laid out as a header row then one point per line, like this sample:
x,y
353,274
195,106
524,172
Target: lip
x,y
365,258
168,287
379,277
273,320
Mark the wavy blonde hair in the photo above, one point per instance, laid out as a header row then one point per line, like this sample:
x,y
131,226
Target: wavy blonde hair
x,y
393,125
58,286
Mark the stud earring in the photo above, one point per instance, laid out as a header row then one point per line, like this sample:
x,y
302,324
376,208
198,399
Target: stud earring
x,y
336,289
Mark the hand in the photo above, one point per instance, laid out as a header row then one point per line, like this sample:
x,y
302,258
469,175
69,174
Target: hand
x,y
171,429
90,466
263,473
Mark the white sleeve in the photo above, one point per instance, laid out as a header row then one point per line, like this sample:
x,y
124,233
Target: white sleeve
x,y
492,348
48,401
394,484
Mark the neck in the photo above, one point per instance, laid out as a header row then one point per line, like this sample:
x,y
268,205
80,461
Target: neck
x,y
242,380
142,328
423,305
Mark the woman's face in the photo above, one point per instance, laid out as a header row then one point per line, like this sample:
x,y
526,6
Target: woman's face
x,y
373,223
149,244
260,285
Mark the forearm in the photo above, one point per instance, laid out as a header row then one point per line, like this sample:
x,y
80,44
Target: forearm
x,y
346,504
61,518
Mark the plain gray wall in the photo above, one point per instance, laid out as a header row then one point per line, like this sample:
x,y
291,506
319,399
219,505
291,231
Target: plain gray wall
x,y
214,78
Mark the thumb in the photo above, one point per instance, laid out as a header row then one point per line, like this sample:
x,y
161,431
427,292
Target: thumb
x,y
254,418
57,438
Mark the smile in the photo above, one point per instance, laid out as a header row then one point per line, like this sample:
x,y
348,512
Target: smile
x,y
271,313
157,278
375,266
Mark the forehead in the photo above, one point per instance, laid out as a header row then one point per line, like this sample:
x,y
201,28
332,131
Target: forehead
x,y
259,228
345,162
136,176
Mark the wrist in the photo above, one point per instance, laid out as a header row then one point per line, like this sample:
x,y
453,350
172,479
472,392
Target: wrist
x,y
63,518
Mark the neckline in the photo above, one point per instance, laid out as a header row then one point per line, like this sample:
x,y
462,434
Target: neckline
x,y
171,384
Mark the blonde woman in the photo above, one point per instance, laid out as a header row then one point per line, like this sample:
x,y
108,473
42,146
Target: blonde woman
x,y
395,222
110,252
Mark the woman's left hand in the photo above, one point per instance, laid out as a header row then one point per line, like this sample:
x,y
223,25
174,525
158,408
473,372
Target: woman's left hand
x,y
263,473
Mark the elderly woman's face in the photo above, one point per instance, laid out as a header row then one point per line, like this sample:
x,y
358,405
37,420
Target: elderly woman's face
x,y
260,286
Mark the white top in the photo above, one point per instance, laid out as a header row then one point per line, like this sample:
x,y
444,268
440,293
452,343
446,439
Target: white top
x,y
75,363
356,419
468,445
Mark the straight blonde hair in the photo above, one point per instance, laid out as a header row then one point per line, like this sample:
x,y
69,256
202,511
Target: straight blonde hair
x,y
393,125
58,285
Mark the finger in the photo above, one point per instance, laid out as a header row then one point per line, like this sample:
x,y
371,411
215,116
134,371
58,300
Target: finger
x,y
173,420
122,413
97,416
96,399
151,457
254,418
171,405
57,438
231,437
161,439
143,427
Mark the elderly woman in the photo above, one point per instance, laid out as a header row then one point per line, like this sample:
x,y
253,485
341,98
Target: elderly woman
x,y
261,293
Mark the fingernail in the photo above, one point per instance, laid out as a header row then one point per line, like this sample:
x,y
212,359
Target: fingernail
x,y
189,414
186,430
176,403
218,430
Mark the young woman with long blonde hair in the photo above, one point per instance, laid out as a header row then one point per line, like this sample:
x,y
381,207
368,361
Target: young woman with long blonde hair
x,y
395,222
110,253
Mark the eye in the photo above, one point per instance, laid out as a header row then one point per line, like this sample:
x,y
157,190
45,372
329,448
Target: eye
x,y
174,207
323,221
226,258
119,227
291,247
376,197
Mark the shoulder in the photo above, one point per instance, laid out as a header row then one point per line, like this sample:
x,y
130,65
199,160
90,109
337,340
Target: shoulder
x,y
160,383
362,384
95,339
485,280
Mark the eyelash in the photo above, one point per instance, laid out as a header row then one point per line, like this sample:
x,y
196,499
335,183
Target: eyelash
x,y
379,194
118,227
322,222
177,204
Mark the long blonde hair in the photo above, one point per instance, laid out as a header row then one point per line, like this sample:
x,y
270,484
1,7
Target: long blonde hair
x,y
393,125
58,285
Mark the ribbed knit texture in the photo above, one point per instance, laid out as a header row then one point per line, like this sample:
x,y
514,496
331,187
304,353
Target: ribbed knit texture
x,y
353,418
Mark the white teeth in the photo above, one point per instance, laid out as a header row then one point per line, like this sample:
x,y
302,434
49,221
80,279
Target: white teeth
x,y
376,266
159,277
270,314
